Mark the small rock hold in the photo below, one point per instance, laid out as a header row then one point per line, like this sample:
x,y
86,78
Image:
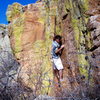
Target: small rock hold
x,y
93,55
96,67
86,57
67,10
82,77
68,67
93,48
64,16
84,31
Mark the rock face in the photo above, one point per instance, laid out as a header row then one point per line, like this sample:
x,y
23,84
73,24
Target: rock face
x,y
8,64
31,29
94,29
31,45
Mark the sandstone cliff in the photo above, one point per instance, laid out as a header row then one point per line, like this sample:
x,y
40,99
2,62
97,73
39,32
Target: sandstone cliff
x,y
31,30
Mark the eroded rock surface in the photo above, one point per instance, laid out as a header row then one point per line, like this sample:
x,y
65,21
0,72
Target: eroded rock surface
x,y
8,64
31,29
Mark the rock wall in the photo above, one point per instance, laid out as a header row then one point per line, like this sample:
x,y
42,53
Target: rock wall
x,y
8,64
94,29
31,30
31,45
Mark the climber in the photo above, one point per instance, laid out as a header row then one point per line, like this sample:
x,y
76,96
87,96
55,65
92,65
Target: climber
x,y
57,48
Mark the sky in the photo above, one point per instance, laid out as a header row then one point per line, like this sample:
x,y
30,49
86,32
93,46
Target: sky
x,y
4,4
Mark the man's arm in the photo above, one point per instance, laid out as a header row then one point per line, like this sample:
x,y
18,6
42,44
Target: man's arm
x,y
58,50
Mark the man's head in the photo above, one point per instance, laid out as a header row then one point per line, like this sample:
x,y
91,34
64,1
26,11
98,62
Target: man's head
x,y
57,38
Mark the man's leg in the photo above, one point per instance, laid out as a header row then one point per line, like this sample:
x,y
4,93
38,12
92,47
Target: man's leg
x,y
56,73
61,74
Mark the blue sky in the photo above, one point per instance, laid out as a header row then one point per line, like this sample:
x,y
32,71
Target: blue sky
x,y
4,4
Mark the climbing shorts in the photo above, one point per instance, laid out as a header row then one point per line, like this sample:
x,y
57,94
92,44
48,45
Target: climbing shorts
x,y
57,64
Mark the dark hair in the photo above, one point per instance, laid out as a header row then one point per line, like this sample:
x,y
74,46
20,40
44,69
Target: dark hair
x,y
57,37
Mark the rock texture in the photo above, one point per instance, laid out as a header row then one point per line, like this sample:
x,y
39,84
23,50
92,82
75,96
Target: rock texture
x,y
94,29
31,45
8,64
31,30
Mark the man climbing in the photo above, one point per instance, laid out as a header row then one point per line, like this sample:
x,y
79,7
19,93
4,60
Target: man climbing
x,y
56,52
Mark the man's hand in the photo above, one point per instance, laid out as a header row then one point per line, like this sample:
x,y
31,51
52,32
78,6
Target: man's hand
x,y
58,50
62,46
